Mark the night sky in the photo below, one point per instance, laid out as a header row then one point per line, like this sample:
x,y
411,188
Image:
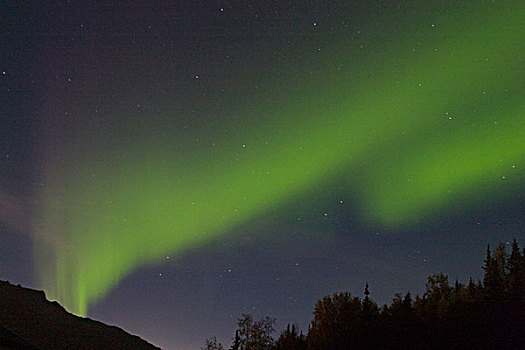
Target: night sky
x,y
166,166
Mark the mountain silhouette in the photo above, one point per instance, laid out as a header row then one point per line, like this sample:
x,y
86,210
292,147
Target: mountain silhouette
x,y
29,321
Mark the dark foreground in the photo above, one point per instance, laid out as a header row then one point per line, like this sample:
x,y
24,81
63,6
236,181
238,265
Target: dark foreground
x,y
29,321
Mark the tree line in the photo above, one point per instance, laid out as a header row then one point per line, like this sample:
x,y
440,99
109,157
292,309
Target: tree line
x,y
487,314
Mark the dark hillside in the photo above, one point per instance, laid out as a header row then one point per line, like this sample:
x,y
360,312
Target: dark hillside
x,y
9,340
36,323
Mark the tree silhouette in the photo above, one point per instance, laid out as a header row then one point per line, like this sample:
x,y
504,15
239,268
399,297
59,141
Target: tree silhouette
x,y
255,335
335,323
479,315
493,280
516,276
367,304
290,340
212,344
236,345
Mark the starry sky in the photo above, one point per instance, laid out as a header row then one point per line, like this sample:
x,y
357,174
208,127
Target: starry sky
x,y
166,166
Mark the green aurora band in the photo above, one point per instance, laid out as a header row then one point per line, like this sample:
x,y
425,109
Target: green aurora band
x,y
416,132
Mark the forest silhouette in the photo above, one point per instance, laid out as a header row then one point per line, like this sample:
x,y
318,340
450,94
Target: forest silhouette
x,y
487,314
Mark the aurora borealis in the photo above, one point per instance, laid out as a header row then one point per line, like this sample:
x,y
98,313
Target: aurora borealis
x,y
164,129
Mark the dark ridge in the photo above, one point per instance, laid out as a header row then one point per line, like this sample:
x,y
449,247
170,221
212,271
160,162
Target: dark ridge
x,y
29,321
9,340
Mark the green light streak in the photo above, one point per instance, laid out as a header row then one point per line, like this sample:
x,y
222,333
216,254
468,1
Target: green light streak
x,y
450,167
132,205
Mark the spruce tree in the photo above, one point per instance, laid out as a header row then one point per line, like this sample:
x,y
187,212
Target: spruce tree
x,y
493,281
236,342
366,300
516,276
